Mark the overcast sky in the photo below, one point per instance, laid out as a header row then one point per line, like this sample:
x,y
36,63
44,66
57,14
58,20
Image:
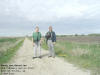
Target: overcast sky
x,y
19,17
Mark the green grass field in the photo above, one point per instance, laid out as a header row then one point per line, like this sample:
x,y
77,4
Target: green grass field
x,y
8,47
81,54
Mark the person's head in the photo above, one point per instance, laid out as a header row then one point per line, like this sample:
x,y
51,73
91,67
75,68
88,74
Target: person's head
x,y
37,29
50,28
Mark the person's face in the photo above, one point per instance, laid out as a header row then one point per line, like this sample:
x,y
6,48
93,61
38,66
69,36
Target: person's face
x,y
50,28
37,29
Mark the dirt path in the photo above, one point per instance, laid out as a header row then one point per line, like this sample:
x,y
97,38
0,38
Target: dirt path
x,y
44,66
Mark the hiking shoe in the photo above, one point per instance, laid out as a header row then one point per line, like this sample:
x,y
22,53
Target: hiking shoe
x,y
53,56
49,56
40,57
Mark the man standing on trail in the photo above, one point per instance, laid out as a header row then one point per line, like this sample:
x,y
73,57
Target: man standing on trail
x,y
51,39
36,42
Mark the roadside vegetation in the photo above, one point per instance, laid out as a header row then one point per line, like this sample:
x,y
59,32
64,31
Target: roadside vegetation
x,y
82,51
8,48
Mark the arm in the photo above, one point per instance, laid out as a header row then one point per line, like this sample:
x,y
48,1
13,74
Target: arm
x,y
54,37
40,38
46,36
32,40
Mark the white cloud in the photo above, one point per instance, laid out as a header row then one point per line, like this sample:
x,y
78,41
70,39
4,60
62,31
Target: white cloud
x,y
45,10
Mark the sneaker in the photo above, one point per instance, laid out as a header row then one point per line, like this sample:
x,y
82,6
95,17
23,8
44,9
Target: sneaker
x,y
49,56
40,57
53,56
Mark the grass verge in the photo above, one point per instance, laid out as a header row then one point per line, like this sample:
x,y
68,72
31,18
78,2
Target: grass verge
x,y
84,55
10,53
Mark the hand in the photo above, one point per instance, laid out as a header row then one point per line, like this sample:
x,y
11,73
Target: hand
x,y
33,44
40,42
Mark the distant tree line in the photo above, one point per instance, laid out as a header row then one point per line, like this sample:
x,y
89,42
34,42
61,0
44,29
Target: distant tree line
x,y
73,35
94,34
79,35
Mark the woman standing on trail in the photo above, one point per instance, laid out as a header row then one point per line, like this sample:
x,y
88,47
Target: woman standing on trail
x,y
36,39
51,39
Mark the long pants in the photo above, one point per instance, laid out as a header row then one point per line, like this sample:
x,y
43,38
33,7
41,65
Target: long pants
x,y
37,48
51,48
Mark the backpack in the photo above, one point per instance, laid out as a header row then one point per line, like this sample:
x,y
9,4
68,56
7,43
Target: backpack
x,y
48,35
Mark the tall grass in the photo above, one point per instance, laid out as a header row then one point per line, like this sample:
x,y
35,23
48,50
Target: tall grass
x,y
8,39
8,47
84,55
9,53
44,45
